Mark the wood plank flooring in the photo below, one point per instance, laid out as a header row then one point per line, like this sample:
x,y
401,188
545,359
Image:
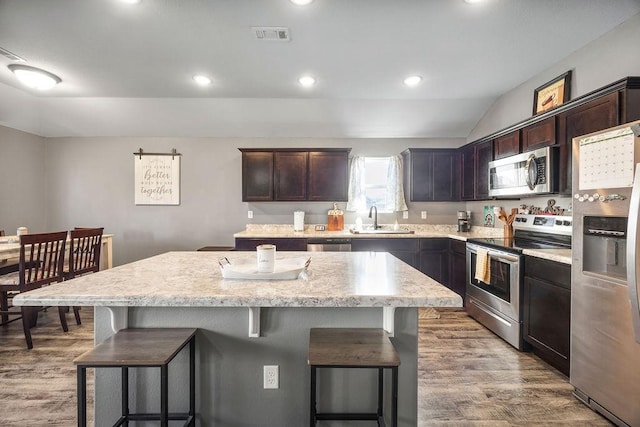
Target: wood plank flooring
x,y
466,377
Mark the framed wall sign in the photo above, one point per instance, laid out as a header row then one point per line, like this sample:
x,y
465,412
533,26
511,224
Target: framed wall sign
x,y
157,178
552,94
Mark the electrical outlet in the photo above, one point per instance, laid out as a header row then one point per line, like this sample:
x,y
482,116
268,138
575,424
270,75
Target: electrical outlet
x,y
250,214
405,214
271,378
423,214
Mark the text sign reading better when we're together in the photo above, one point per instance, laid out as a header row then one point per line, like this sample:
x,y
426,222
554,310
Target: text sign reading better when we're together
x,y
157,179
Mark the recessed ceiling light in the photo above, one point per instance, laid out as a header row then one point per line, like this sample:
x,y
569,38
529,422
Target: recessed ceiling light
x,y
202,80
307,81
34,78
412,81
301,2
473,1
131,1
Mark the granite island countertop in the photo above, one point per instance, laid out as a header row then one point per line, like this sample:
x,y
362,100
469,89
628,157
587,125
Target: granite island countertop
x,y
186,279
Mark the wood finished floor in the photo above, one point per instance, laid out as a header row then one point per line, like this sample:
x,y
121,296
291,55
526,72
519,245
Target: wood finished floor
x,y
466,377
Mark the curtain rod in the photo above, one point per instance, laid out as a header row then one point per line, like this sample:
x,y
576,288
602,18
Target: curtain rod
x,y
173,153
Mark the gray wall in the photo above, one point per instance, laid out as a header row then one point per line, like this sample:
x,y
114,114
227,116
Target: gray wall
x,y
23,172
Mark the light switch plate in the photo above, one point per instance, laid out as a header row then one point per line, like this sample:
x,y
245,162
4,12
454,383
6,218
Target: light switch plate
x,y
405,214
423,214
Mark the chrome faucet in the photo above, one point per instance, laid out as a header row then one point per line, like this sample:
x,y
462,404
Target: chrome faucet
x,y
375,216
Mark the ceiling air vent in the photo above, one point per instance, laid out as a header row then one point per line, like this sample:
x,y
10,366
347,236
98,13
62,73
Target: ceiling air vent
x,y
11,56
279,34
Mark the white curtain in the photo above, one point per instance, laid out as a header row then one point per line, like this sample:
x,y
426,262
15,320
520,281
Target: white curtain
x,y
395,187
394,198
357,197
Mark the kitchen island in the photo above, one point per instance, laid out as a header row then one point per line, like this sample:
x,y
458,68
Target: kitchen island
x,y
246,324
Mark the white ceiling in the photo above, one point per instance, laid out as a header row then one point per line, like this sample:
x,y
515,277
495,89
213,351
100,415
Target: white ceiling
x,y
126,70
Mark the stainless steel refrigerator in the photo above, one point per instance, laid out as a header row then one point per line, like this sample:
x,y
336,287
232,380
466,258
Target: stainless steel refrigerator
x,y
605,319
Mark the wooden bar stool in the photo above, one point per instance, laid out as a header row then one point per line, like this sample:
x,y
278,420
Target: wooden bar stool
x,y
136,348
353,348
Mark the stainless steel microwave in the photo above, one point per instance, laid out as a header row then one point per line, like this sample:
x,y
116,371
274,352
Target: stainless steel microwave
x,y
525,174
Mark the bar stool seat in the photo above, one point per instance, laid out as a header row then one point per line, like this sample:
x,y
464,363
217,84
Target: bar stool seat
x,y
143,347
353,348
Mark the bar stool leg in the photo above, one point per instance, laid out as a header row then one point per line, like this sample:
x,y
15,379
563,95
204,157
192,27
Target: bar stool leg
x,y
394,397
312,402
82,396
164,396
125,396
192,380
380,391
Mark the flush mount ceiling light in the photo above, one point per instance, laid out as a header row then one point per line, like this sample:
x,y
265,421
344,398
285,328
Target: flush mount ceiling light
x,y
412,81
130,1
202,80
34,78
307,81
301,2
473,1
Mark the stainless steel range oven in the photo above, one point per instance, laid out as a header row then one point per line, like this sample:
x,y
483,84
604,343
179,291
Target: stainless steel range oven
x,y
497,302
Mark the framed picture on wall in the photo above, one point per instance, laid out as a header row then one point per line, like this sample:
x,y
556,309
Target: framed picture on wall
x,y
157,179
552,94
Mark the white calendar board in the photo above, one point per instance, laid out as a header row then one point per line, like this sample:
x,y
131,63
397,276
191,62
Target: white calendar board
x,y
606,160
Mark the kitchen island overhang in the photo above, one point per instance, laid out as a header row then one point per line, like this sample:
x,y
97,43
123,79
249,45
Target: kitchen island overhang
x,y
187,289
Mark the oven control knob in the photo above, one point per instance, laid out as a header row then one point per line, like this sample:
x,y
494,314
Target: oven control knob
x,y
565,222
558,222
576,196
596,196
591,199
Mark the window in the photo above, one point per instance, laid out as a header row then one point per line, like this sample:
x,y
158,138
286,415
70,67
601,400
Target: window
x,y
376,181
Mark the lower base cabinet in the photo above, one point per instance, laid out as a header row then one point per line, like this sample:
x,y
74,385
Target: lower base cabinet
x,y
434,259
458,267
547,310
403,249
282,244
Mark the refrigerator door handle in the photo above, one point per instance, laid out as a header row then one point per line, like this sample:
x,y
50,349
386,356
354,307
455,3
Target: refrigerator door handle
x,y
633,256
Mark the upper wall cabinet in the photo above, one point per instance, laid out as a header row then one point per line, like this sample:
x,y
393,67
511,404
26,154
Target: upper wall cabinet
x,y
538,135
431,174
475,170
294,174
506,145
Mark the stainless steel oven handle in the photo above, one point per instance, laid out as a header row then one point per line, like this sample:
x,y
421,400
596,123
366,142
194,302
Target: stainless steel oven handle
x,y
495,255
527,170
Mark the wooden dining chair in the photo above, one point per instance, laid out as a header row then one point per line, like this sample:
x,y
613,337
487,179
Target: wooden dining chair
x,y
84,255
41,263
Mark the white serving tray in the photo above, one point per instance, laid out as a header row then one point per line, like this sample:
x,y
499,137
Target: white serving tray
x,y
285,269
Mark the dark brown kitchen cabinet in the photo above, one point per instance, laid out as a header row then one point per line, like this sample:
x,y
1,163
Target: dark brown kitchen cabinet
x,y
328,175
431,174
294,174
434,259
538,135
290,181
506,145
405,249
467,172
257,176
282,244
484,154
593,116
547,310
475,170
458,267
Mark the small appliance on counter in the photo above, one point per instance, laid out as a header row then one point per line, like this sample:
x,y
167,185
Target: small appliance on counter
x,y
298,221
463,221
335,219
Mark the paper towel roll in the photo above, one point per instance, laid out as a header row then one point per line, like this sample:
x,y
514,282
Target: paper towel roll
x,y
298,221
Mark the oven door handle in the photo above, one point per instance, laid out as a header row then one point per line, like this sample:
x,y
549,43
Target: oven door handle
x,y
501,257
495,255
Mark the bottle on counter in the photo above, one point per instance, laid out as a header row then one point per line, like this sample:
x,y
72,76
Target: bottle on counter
x,y
335,219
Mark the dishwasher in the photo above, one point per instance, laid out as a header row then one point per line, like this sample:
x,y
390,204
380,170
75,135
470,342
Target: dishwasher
x,y
329,244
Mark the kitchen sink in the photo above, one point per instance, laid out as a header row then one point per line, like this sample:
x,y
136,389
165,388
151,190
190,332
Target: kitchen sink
x,y
383,230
